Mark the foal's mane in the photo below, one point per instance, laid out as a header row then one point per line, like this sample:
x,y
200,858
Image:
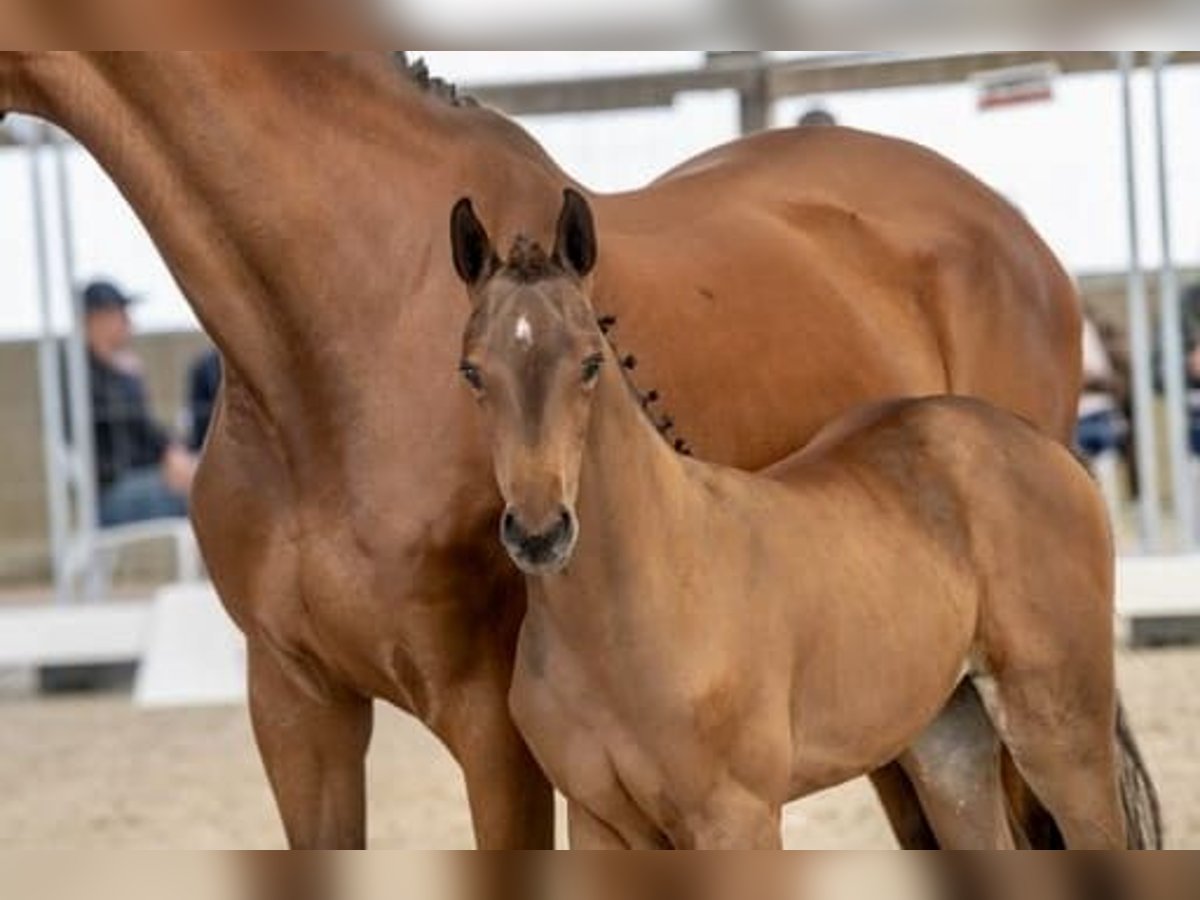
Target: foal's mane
x,y
528,262
417,71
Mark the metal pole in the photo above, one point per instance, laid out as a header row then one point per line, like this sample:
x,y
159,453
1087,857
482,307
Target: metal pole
x,y
1139,333
1172,335
83,458
754,101
50,382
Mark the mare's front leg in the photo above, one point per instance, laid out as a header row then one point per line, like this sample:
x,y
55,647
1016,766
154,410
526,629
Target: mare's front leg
x,y
587,832
312,733
733,819
313,737
511,800
512,803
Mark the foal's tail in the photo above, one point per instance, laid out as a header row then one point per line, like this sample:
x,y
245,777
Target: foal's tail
x,y
1143,814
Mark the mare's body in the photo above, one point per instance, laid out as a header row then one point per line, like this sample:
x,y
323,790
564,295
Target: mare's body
x,y
343,506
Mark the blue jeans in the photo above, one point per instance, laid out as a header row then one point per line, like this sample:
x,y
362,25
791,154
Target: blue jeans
x,y
1100,433
140,496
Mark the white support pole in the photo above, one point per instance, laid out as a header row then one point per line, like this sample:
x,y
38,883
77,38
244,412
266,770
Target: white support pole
x,y
1139,333
1172,336
50,384
83,452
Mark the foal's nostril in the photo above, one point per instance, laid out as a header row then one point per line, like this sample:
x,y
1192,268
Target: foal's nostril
x,y
510,529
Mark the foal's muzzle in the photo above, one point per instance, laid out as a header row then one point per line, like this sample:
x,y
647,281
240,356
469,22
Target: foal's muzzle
x,y
542,552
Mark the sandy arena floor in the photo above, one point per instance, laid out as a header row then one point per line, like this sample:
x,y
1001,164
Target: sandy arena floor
x,y
96,773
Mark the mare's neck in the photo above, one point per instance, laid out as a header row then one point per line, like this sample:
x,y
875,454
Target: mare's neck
x,y
634,492
234,166
297,198
279,24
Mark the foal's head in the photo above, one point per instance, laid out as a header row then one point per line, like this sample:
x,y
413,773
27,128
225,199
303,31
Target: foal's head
x,y
532,354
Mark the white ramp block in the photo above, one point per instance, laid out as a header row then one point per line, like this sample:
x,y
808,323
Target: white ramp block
x,y
72,635
1158,586
194,654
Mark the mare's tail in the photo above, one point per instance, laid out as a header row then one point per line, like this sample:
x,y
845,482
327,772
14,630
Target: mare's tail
x,y
1143,813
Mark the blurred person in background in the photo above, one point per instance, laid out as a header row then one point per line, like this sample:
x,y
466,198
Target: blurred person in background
x,y
1102,427
141,472
1102,433
203,383
817,116
1191,336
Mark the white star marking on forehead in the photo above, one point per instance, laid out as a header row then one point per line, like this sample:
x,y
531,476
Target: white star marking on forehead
x,y
524,332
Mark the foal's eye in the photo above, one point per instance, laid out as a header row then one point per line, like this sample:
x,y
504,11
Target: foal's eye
x,y
591,368
471,374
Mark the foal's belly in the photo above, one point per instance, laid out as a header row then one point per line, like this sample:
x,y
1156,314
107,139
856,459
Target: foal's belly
x,y
869,715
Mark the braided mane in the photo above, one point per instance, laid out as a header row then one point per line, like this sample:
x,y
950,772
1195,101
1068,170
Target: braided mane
x,y
417,71
663,424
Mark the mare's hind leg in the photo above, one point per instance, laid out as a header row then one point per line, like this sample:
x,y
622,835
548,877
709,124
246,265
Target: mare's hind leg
x,y
1060,730
902,806
955,768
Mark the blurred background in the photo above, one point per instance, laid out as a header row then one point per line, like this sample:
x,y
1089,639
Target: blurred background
x,y
1099,149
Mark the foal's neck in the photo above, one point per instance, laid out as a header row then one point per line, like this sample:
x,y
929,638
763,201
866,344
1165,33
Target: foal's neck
x,y
633,487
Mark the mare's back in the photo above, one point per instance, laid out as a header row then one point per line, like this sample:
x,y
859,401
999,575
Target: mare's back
x,y
815,270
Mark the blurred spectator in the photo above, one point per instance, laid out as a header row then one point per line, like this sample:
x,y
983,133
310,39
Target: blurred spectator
x,y
204,380
1102,427
816,116
1191,336
141,472
1103,430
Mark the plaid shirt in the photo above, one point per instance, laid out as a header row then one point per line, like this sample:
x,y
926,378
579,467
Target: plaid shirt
x,y
126,435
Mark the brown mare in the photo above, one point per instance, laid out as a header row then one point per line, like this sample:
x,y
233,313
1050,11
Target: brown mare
x,y
703,645
344,504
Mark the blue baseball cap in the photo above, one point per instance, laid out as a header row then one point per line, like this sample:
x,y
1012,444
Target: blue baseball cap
x,y
102,295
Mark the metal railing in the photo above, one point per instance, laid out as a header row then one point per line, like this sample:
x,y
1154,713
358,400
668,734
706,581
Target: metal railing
x,y
83,553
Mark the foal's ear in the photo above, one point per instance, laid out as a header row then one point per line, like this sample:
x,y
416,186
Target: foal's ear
x,y
575,243
474,256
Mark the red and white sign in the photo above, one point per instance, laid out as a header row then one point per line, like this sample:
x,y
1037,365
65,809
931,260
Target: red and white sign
x,y
1016,86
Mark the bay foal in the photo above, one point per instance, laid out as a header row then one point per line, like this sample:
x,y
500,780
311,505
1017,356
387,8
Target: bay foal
x,y
703,646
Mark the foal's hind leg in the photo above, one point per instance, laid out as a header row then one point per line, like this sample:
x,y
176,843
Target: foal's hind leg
x,y
955,768
1060,731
